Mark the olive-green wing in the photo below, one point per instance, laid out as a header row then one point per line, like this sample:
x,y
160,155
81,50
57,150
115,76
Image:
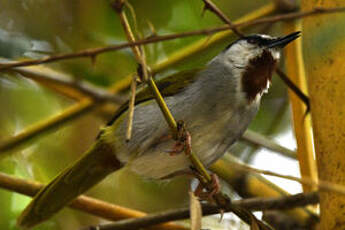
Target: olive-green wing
x,y
167,86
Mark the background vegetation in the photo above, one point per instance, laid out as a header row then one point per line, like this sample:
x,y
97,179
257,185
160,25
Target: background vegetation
x,y
34,29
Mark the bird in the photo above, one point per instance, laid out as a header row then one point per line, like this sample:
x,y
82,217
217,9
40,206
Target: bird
x,y
216,104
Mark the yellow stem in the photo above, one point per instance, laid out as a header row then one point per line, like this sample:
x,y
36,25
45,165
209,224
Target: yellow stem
x,y
302,124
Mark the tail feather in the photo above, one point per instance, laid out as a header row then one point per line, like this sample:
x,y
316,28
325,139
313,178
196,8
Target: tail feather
x,y
95,165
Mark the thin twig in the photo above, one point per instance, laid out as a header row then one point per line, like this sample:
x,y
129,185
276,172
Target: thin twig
x,y
83,203
321,185
92,52
131,104
251,185
118,5
254,204
209,5
294,88
262,141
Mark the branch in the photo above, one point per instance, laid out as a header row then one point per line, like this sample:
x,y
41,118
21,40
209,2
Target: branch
x,y
254,204
92,52
294,88
321,185
49,124
83,203
251,185
209,5
55,77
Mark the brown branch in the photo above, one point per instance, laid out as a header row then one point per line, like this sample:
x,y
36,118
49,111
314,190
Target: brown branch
x,y
83,203
209,5
294,88
92,52
254,204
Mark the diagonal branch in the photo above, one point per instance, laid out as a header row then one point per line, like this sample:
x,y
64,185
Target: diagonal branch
x,y
304,98
83,203
209,5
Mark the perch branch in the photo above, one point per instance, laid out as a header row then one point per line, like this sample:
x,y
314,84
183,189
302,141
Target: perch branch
x,y
254,204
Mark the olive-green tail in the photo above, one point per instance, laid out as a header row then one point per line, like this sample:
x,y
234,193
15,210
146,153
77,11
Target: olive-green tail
x,y
97,163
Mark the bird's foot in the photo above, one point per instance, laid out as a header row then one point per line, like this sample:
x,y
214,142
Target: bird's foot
x,y
212,188
183,140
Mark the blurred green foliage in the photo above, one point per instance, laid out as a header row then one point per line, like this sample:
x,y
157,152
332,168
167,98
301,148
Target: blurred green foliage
x,y
36,28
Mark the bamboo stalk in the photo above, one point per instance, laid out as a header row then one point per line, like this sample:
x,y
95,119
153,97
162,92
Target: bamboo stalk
x,y
294,66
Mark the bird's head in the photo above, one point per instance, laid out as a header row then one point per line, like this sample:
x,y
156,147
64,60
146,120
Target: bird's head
x,y
253,59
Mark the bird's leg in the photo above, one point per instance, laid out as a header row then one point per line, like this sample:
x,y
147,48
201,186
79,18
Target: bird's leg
x,y
212,188
183,140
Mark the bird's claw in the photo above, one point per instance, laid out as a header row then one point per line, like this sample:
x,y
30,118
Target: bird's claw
x,y
183,140
212,188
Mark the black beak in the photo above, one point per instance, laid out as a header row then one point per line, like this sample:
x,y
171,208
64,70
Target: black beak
x,y
283,41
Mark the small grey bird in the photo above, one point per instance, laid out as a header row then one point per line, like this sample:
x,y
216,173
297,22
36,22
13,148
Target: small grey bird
x,y
216,103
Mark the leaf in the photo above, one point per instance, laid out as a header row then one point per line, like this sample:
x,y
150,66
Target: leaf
x,y
195,212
